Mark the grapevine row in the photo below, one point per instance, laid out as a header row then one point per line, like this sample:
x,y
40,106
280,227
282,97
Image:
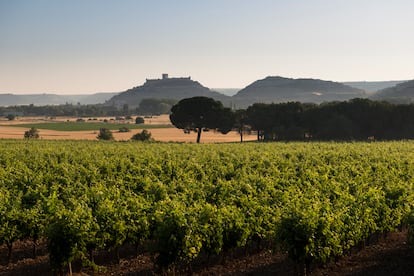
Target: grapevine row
x,y
317,200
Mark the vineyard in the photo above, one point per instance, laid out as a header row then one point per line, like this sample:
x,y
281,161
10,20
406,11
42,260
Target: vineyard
x,y
316,201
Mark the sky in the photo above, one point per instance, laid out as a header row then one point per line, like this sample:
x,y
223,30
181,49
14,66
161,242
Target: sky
x,y
89,46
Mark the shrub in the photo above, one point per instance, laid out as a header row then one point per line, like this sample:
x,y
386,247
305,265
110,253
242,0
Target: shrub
x,y
139,120
11,117
124,129
105,134
32,133
145,135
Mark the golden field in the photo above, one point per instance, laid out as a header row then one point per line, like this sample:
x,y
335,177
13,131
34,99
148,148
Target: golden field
x,y
9,130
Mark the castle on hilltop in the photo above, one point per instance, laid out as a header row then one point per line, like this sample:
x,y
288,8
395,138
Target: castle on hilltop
x,y
165,77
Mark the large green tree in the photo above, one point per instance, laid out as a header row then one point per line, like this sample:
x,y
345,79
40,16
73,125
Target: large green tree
x,y
201,113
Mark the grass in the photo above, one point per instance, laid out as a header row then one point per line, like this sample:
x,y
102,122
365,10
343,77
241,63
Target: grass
x,y
80,126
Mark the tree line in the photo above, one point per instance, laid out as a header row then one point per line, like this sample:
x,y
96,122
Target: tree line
x,y
356,119
146,107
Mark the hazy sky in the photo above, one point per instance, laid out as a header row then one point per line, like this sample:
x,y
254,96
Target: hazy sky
x,y
85,46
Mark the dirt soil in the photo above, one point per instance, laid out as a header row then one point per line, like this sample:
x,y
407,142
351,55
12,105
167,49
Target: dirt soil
x,y
389,256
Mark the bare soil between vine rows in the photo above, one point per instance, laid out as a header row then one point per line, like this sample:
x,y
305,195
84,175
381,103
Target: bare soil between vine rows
x,y
390,255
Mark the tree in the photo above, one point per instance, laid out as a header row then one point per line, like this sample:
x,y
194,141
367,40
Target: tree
x,y
241,122
259,117
105,134
11,117
277,121
32,133
139,120
201,113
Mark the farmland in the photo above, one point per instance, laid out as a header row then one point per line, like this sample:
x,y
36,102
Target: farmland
x,y
67,128
179,202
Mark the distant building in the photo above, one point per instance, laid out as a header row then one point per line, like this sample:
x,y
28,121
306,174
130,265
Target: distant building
x,y
166,77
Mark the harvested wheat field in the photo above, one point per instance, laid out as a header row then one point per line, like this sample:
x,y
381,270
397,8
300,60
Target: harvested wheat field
x,y
10,130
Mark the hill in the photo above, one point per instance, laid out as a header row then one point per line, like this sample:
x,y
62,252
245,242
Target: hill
x,y
279,89
165,88
53,99
401,93
270,89
36,99
372,86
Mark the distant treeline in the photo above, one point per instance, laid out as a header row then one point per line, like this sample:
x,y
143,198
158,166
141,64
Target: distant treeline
x,y
357,119
146,107
61,110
